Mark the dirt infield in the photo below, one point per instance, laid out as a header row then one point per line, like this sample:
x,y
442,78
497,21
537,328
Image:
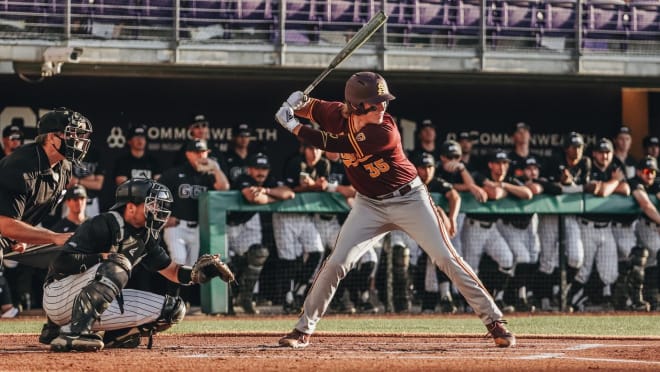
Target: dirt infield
x,y
331,352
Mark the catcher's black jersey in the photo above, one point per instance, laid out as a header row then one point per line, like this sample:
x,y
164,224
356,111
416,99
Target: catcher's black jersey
x,y
237,218
131,167
103,234
29,187
186,185
64,225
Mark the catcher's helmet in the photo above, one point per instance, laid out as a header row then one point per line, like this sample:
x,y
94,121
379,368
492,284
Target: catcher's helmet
x,y
76,128
155,196
366,87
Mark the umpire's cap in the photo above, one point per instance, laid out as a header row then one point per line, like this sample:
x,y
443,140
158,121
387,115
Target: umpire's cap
x,y
423,159
75,192
259,160
648,162
57,120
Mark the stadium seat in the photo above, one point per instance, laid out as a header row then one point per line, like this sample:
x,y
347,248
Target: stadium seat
x,y
468,17
302,23
557,17
250,18
431,17
517,18
201,12
156,13
604,20
399,15
645,20
340,15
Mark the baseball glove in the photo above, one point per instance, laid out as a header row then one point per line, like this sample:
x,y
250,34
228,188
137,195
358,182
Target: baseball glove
x,y
208,267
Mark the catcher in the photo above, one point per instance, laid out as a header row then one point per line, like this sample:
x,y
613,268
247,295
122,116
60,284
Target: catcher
x,y
84,299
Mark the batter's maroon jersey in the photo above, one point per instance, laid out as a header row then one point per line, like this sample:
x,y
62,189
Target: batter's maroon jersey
x,y
373,156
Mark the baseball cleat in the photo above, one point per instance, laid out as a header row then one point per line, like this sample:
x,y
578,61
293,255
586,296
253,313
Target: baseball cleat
x,y
126,338
49,332
295,339
501,335
70,342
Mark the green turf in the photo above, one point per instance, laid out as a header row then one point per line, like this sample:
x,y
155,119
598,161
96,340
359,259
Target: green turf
x,y
637,325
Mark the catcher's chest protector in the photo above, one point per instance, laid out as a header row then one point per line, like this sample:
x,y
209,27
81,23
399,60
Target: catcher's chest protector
x,y
131,247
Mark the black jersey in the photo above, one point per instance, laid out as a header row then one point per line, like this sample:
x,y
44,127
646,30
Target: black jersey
x,y
628,166
419,150
237,218
91,165
602,175
233,165
297,165
64,225
480,179
187,185
29,187
338,173
105,233
440,186
517,165
554,169
131,167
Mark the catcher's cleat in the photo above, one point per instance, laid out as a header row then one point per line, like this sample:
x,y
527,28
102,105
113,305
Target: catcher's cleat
x,y
126,338
501,335
295,339
69,342
49,332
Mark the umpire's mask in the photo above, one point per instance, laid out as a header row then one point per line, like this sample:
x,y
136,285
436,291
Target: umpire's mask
x,y
157,208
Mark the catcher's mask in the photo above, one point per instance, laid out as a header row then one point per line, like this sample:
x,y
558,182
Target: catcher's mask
x,y
76,130
157,208
155,196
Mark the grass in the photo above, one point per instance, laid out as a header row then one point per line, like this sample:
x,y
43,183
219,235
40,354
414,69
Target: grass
x,y
588,325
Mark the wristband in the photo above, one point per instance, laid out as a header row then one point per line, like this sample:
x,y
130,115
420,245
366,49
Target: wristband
x,y
183,275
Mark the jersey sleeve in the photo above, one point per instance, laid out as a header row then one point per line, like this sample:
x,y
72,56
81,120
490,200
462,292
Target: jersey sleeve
x,y
374,138
84,248
326,114
13,193
156,258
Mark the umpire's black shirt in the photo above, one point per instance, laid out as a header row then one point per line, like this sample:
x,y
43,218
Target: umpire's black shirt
x,y
29,187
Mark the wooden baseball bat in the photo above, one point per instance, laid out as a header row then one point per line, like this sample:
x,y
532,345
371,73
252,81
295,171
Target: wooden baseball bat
x,y
356,41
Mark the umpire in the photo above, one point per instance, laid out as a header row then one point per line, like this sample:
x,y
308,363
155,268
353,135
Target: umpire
x,y
33,178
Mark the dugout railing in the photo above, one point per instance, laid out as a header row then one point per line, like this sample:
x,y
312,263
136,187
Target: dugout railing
x,y
215,205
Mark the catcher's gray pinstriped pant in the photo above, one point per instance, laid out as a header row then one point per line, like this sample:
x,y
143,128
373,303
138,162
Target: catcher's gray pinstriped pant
x,y
649,237
599,247
548,234
369,219
140,307
183,242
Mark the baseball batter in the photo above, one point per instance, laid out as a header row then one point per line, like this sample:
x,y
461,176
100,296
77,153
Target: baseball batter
x,y
84,291
390,195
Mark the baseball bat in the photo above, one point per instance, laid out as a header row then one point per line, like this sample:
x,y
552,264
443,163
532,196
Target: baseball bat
x,y
351,46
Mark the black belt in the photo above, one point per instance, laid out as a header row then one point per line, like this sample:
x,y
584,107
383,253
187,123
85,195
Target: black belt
x,y
485,225
326,217
191,224
596,225
403,190
622,224
650,223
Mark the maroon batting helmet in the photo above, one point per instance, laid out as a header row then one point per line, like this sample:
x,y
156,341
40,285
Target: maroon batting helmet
x,y
366,87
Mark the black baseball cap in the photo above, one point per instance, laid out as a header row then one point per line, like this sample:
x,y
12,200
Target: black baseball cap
x,y
624,130
426,123
573,139
604,145
648,162
53,121
498,156
423,159
137,131
532,161
259,160
519,126
199,119
75,192
450,149
197,145
242,130
13,131
651,141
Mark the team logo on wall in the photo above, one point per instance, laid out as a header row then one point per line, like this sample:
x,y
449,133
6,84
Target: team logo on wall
x,y
116,138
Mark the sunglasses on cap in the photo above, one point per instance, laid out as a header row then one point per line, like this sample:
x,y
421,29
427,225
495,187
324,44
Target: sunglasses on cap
x,y
648,172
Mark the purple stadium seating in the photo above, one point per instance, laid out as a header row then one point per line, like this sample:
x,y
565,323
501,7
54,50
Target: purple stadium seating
x,y
158,13
399,14
645,20
431,16
468,17
196,13
340,14
558,17
302,23
605,20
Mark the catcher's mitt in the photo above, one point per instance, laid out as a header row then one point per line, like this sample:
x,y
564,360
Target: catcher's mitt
x,y
208,267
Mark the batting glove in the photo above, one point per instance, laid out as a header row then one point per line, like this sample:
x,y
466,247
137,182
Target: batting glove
x,y
297,100
285,117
